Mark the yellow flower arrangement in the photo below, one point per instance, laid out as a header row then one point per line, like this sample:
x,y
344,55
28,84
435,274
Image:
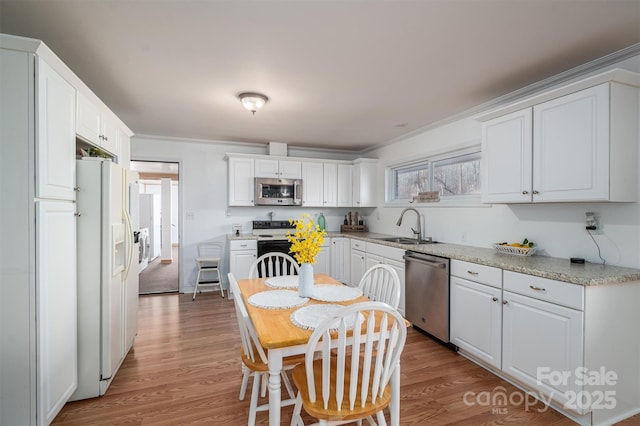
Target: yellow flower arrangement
x,y
307,240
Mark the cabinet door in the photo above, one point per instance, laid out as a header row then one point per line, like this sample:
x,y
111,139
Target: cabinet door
x,y
241,181
358,267
399,268
372,260
56,135
88,119
476,320
571,147
539,339
338,255
288,169
323,259
330,190
240,261
364,184
109,139
345,185
56,306
266,168
312,185
506,158
124,149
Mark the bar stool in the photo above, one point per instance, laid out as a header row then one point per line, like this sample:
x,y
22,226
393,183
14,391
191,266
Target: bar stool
x,y
208,261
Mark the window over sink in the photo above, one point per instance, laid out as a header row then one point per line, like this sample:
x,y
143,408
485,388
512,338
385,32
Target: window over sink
x,y
455,175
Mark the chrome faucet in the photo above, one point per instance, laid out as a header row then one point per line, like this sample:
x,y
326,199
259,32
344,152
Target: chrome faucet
x,y
417,232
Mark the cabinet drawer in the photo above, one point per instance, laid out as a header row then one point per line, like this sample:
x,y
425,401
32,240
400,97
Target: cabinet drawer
x,y
386,251
243,245
479,273
358,245
567,294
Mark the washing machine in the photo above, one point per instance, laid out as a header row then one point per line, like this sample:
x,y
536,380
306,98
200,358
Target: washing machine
x,y
143,258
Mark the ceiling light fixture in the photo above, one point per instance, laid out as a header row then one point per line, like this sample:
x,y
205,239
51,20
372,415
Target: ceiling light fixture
x,y
253,101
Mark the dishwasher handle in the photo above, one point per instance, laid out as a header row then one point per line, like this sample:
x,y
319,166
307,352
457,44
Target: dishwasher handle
x,y
427,262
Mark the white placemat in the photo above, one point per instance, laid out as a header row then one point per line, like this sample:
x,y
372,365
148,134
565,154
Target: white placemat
x,y
277,299
309,317
284,281
335,293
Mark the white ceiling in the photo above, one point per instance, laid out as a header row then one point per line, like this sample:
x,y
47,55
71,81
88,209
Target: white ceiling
x,y
339,74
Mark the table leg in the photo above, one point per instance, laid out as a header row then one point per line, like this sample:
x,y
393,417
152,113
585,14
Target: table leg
x,y
394,405
275,368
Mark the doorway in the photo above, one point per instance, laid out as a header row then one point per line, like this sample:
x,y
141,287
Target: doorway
x,y
159,259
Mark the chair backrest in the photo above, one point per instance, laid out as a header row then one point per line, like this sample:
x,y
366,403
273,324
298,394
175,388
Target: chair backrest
x,y
250,344
381,284
365,360
274,264
210,250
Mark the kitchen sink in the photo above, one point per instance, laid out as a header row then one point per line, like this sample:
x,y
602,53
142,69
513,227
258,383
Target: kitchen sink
x,y
405,240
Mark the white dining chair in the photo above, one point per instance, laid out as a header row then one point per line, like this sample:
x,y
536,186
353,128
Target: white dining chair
x,y
254,358
274,264
381,283
354,383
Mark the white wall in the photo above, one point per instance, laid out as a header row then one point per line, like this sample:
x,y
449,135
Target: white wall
x,y
558,228
203,193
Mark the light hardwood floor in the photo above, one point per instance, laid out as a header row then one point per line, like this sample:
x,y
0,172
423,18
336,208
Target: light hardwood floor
x,y
185,369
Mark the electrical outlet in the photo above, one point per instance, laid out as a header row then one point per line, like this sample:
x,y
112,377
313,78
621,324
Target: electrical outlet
x,y
592,223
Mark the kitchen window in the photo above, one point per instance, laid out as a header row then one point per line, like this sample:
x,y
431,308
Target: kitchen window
x,y
455,175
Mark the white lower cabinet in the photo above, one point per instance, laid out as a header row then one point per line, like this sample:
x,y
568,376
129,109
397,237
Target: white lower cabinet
x,y
323,259
340,267
242,254
476,319
540,341
358,265
398,265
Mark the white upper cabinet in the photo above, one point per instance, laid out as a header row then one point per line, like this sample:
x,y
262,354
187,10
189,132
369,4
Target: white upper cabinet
x,y
345,185
56,141
283,169
364,183
577,147
506,156
95,125
312,184
330,180
241,181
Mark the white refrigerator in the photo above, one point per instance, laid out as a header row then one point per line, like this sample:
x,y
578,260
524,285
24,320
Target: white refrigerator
x,y
106,304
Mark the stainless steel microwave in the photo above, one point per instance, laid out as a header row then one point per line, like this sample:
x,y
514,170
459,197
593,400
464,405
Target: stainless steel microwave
x,y
278,192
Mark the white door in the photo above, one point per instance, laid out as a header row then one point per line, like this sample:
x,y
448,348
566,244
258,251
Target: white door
x,y
506,158
339,259
540,341
571,147
266,168
56,305
114,246
89,119
312,185
323,259
56,135
476,320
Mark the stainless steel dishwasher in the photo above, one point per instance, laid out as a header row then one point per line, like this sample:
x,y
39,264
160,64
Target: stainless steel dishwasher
x,y
427,293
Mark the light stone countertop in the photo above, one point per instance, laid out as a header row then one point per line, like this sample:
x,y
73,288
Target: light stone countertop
x,y
588,274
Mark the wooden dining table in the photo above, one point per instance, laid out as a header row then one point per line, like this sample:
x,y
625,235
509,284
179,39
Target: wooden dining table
x,y
281,338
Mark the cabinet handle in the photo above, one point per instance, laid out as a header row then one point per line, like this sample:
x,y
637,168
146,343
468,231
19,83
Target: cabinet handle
x,y
472,273
504,302
535,192
76,188
77,214
532,287
495,299
525,192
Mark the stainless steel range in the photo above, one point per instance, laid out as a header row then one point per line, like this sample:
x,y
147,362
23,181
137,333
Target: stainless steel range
x,y
272,235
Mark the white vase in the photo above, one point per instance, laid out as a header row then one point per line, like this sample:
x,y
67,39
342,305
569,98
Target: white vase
x,y
305,280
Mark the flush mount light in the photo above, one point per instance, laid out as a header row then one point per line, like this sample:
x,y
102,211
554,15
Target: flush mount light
x,y
252,101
